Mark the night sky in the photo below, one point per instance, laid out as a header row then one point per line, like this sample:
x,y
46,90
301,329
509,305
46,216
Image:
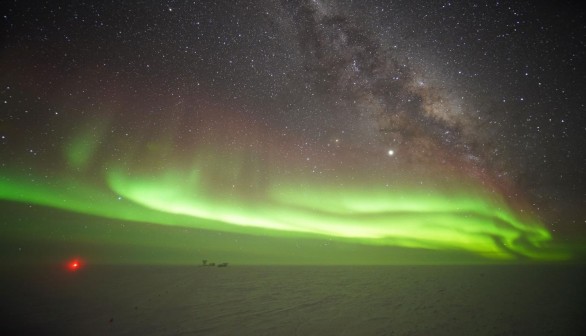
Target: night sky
x,y
293,131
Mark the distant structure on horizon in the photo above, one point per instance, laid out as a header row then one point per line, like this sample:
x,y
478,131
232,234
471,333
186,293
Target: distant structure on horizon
x,y
205,263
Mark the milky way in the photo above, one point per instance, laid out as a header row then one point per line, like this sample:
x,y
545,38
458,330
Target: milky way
x,y
348,65
428,127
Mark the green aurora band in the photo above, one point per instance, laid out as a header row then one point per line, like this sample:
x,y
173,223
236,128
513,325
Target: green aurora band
x,y
226,189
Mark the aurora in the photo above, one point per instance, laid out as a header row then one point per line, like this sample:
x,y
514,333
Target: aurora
x,y
225,188
294,123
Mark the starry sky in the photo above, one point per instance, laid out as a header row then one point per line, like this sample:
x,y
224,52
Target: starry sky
x,y
293,131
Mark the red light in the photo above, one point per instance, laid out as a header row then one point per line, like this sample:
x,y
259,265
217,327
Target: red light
x,y
74,265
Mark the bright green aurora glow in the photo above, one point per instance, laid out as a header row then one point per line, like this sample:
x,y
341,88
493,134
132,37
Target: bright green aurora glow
x,y
226,189
401,218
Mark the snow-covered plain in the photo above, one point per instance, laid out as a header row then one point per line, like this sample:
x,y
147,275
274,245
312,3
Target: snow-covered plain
x,y
295,300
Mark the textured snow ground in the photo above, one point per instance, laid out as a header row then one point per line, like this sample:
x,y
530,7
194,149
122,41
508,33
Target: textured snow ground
x,y
279,300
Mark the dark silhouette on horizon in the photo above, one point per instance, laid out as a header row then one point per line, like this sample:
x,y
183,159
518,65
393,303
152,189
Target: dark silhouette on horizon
x,y
205,263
